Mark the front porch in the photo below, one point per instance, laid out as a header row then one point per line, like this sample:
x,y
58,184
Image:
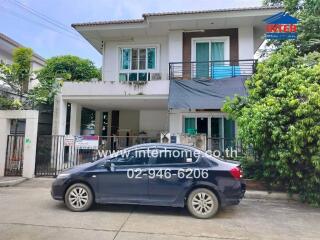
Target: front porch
x,y
112,108
120,121
124,115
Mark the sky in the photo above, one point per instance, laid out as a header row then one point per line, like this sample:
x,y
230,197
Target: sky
x,y
48,40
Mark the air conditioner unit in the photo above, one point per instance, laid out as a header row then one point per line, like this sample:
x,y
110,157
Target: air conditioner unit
x,y
155,76
165,137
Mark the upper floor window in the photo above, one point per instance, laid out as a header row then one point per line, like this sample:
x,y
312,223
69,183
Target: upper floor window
x,y
136,64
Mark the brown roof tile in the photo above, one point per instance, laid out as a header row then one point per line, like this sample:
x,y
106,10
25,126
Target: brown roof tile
x,y
145,15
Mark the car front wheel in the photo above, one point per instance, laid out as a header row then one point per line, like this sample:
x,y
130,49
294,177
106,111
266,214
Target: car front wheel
x,y
202,203
78,197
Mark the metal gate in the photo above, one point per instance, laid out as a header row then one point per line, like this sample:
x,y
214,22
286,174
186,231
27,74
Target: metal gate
x,y
14,155
53,156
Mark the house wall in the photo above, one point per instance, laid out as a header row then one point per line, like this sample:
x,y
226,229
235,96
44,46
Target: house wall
x,y
5,57
154,120
111,55
129,120
175,46
257,39
175,122
108,88
246,44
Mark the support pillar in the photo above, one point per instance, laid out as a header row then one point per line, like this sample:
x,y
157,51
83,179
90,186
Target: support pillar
x,y
59,116
30,146
75,119
98,123
4,132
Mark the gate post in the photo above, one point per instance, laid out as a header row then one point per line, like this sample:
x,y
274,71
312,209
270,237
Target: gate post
x,y
4,132
30,144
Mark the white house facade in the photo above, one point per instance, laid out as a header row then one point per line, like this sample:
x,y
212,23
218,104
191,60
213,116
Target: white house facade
x,y
146,60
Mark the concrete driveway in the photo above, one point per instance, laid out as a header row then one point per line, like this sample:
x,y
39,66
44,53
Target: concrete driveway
x,y
28,212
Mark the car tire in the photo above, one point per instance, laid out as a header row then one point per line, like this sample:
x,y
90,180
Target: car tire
x,y
202,203
78,197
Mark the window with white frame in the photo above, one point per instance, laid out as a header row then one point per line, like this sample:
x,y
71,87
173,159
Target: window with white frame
x,y
137,63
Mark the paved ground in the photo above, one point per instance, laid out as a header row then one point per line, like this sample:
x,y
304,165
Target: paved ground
x,y
10,181
28,212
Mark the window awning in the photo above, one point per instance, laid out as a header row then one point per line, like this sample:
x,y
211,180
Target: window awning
x,y
204,94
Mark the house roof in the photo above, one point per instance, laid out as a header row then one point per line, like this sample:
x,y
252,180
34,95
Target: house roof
x,y
146,15
12,42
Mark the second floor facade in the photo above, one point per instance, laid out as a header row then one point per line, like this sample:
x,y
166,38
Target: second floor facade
x,y
179,45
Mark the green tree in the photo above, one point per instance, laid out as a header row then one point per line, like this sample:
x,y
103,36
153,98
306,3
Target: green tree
x,y
17,76
280,120
59,69
308,12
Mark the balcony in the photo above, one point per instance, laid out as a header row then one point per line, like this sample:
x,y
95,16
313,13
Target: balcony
x,y
116,88
211,69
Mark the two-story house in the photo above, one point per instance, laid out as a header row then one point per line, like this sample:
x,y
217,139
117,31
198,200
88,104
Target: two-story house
x,y
166,72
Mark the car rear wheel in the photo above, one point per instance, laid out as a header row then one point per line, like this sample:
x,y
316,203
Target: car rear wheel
x,y
78,197
202,203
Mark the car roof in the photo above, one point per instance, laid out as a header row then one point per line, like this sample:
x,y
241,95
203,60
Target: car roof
x,y
171,145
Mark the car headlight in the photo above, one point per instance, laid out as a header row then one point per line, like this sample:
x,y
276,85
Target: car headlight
x,y
63,175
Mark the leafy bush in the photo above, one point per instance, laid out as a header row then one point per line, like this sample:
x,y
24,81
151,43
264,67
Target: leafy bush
x,y
280,119
252,169
59,69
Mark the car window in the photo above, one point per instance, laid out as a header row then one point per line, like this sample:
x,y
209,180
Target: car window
x,y
172,156
101,164
135,157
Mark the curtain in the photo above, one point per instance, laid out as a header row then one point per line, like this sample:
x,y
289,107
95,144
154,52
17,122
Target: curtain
x,y
219,70
189,125
151,58
202,57
217,51
125,58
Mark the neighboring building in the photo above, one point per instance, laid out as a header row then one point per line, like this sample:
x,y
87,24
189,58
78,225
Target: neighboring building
x,y
166,72
7,45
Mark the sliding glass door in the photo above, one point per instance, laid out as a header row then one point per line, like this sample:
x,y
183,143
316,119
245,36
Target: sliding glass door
x,y
206,51
221,132
202,58
229,133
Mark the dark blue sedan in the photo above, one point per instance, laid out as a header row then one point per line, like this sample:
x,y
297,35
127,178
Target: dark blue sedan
x,y
153,174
